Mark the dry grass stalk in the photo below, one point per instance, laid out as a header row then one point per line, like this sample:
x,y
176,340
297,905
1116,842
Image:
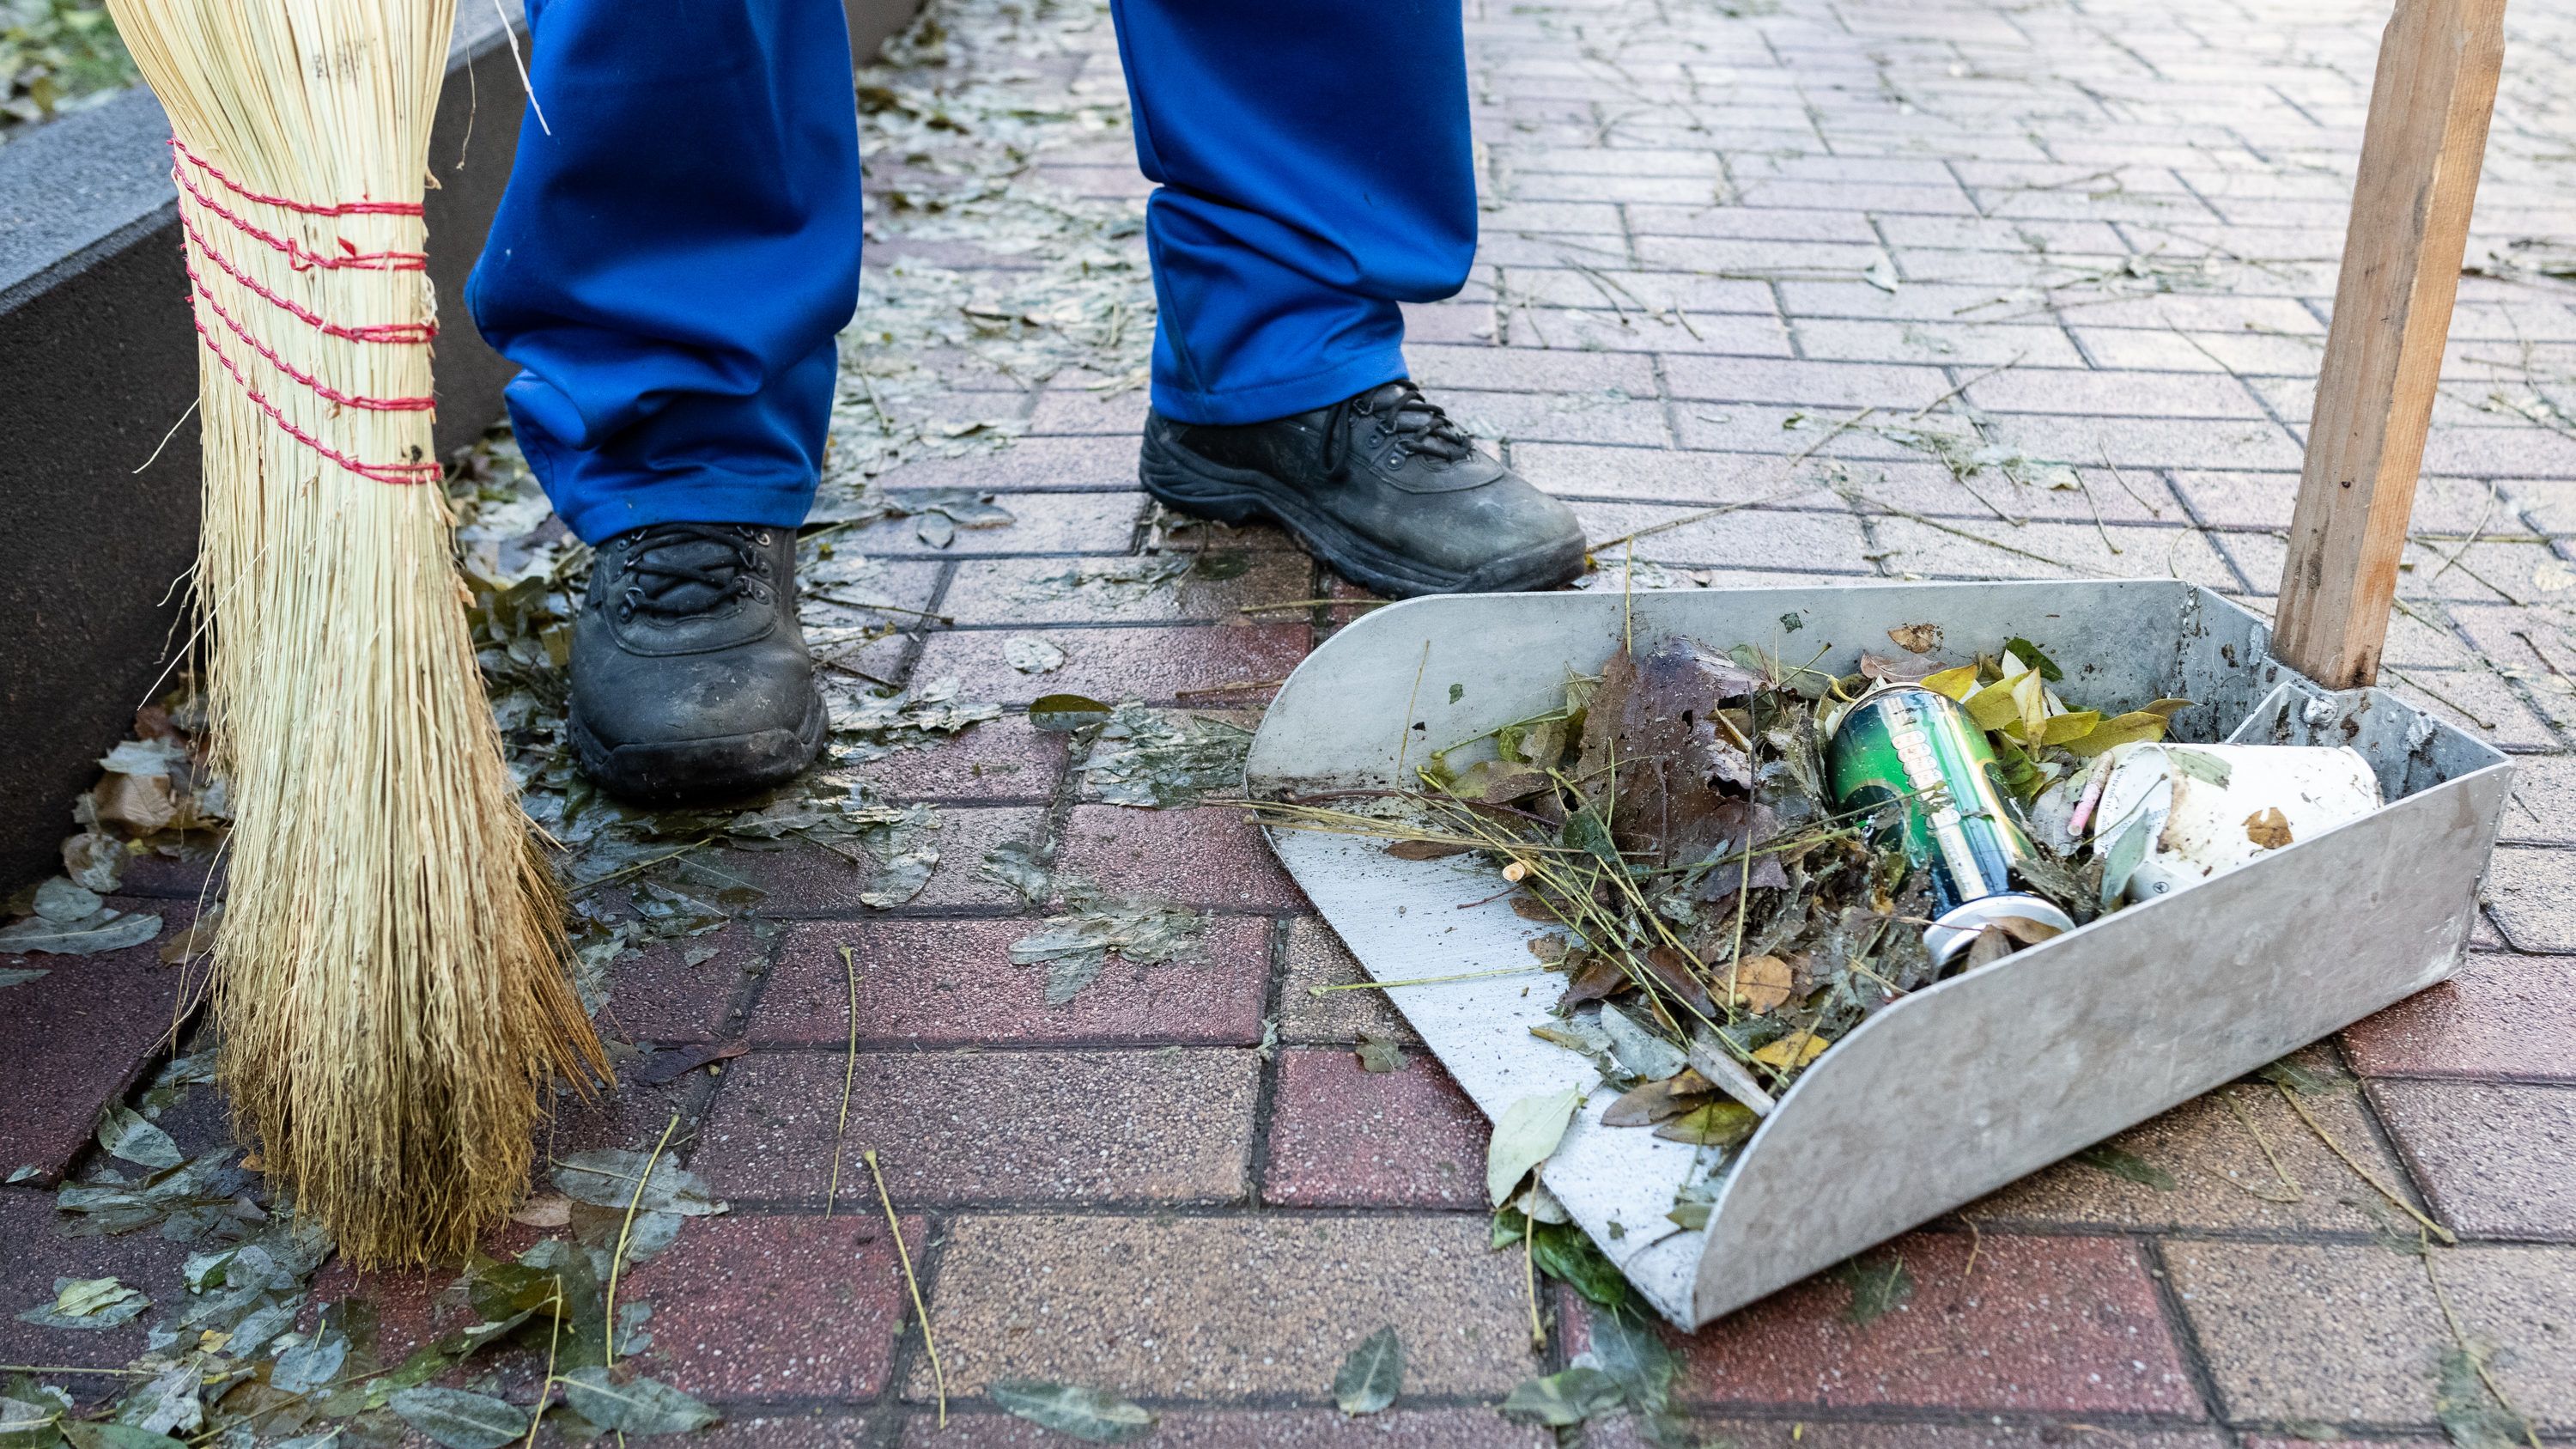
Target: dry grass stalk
x,y
390,972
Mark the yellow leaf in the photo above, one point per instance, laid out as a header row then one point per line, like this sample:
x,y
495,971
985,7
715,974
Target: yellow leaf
x,y
2167,707
1993,707
1957,683
2064,728
2030,700
1792,1051
2135,727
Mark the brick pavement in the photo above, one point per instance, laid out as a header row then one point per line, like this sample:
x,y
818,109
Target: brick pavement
x,y
2099,236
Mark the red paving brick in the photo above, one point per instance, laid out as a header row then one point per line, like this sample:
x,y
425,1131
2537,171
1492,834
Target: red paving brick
x,y
74,1039
1208,856
656,994
756,1306
952,983
822,882
2497,1160
1000,759
1396,1428
1209,665
2502,1016
33,1253
2043,1325
1169,1126
1344,1137
1798,1433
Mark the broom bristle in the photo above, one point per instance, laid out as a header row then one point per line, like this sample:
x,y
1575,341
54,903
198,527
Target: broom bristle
x,y
390,973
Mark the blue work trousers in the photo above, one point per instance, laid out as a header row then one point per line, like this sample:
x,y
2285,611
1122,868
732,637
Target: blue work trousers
x,y
679,243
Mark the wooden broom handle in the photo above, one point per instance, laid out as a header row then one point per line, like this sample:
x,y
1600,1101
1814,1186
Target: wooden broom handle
x,y
2420,152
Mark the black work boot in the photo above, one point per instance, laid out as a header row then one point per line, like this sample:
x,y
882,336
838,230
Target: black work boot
x,y
690,679
1381,486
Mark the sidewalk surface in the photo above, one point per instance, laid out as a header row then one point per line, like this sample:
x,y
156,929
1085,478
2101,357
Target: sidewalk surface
x,y
2064,269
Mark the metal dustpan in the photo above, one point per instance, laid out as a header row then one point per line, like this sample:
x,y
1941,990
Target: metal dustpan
x,y
1947,1094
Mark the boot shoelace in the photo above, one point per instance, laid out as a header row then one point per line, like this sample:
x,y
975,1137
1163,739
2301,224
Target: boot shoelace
x,y
677,569
1403,411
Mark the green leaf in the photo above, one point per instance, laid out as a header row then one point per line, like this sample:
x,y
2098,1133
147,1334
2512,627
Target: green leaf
x,y
1373,1375
1524,1135
1722,1123
88,1303
122,1132
2128,1165
1087,1414
308,1365
638,1406
1560,1399
2029,653
1378,1053
2301,1078
1879,1286
2469,1413
1634,1354
105,930
20,975
1567,1253
1059,713
2127,850
115,1436
461,1420
607,1178
2199,765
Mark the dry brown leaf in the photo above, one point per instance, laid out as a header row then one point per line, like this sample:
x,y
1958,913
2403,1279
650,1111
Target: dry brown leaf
x,y
545,1210
1661,1101
1531,908
1676,973
1599,980
1507,785
2025,931
140,803
1992,944
2268,828
1916,638
1761,983
1425,849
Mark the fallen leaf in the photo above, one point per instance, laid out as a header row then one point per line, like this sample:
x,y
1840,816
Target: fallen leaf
x,y
1598,980
1654,1102
638,1406
1373,1374
1722,1123
1085,1413
1761,982
1674,973
676,1062
1063,712
1425,849
1916,638
124,1133
1030,654
1526,1132
1957,683
107,930
60,901
2268,828
88,1303
1638,1049
1793,1051
458,1419
545,1210
189,944
1568,1396
608,1177
1990,946
1378,1053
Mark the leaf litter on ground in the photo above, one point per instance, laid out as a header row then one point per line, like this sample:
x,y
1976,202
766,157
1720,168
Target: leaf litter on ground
x,y
1092,1415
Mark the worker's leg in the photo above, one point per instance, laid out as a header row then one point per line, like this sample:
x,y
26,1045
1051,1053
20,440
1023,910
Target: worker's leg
x,y
678,246
1315,171
677,249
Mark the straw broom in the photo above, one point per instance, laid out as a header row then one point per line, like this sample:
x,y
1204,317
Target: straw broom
x,y
390,972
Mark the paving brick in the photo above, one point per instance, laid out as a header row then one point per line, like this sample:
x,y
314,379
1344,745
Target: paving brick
x,y
829,1427
680,990
74,1039
1204,665
952,983
1556,332
1588,415
37,1254
2041,1325
1077,411
2532,895
1212,588
1804,384
1341,1136
756,1306
1205,855
1938,343
2073,550
2498,1161
2502,1016
2353,1335
1820,540
1000,759
1030,465
1316,957
2222,1175
1804,1433
1103,1126
1396,1428
1685,479
2543,807
2032,389
1225,1309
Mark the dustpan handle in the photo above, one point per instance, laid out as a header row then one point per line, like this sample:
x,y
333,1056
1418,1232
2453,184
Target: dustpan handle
x,y
2420,153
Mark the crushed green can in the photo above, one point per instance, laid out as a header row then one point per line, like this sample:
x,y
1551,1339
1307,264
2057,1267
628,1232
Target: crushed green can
x,y
1915,746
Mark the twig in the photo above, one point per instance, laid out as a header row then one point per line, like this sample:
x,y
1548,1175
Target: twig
x,y
1231,686
2441,1233
930,1345
2123,480
2283,1173
849,1077
1934,523
2477,1361
1426,980
1529,1278
1925,411
546,1386
1703,514
625,1234
2091,503
1285,604
1404,733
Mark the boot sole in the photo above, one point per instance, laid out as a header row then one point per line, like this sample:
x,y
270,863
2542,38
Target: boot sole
x,y
691,771
1193,485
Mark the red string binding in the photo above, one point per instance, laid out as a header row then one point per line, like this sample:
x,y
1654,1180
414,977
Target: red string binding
x,y
380,472
297,255
319,387
345,208
389,332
